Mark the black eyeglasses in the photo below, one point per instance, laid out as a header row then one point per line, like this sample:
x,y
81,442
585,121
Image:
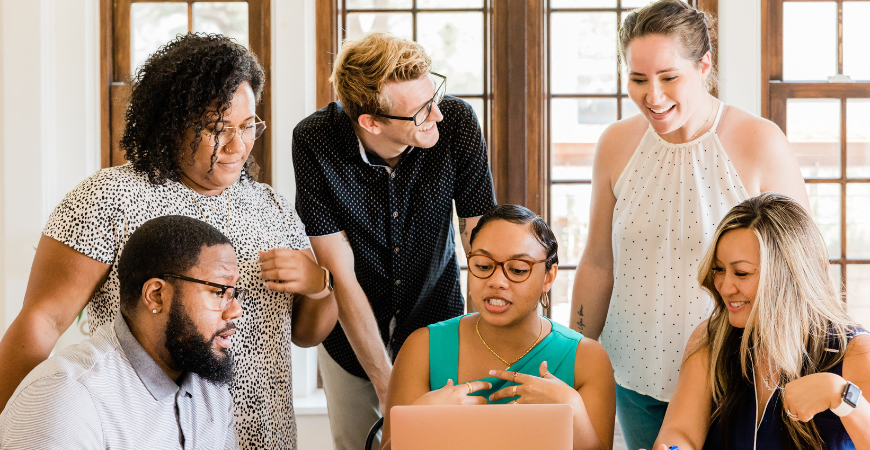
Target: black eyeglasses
x,y
423,113
224,298
516,270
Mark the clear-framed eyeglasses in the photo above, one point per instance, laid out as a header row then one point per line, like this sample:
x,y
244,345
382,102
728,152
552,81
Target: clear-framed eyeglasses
x,y
515,270
222,136
222,298
423,113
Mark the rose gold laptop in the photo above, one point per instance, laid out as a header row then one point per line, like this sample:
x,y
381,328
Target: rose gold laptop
x,y
482,427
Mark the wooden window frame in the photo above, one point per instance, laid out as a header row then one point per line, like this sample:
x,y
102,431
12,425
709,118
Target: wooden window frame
x,y
115,75
775,92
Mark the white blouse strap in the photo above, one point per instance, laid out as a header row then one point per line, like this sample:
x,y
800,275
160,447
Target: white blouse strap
x,y
720,115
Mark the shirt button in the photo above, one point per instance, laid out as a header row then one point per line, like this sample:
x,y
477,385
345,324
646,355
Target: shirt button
x,y
395,213
396,250
398,282
393,175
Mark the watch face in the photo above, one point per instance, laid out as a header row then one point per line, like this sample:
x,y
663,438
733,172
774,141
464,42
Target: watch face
x,y
851,395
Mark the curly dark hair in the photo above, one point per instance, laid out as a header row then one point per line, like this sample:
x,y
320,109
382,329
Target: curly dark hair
x,y
172,91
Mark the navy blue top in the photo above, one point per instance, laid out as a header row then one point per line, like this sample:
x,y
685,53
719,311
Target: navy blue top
x,y
771,431
398,219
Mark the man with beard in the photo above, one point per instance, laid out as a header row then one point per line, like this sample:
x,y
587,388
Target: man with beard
x,y
155,377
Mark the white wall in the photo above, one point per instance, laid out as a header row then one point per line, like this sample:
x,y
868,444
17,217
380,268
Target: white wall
x,y
740,53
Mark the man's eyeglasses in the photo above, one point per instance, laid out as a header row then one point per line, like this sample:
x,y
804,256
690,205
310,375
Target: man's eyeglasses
x,y
423,113
222,299
224,135
516,270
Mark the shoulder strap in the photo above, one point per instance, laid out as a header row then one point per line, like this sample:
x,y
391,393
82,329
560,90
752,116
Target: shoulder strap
x,y
443,352
721,118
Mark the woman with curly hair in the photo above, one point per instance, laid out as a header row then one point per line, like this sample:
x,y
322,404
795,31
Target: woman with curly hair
x,y
190,128
779,364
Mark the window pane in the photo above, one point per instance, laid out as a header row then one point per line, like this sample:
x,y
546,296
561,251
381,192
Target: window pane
x,y
584,53
449,4
359,24
857,221
378,4
856,35
635,3
454,41
576,126
813,127
825,207
809,40
858,137
560,297
629,108
229,19
569,219
152,25
583,3
858,293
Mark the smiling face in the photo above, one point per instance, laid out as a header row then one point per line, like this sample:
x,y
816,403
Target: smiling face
x,y
736,273
666,87
407,97
196,167
501,301
198,335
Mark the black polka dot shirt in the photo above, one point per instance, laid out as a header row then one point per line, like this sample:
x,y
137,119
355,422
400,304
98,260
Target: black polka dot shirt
x,y
398,221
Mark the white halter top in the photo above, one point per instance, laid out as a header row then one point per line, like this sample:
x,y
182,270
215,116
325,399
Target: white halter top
x,y
669,200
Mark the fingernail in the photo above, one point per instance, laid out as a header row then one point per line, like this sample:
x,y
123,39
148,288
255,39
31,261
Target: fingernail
x,y
490,398
492,372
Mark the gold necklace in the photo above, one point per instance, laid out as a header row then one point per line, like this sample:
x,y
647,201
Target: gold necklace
x,y
712,107
477,328
201,211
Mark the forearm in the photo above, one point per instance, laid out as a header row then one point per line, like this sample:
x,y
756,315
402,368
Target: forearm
x,y
359,325
313,319
590,299
28,341
669,436
585,436
857,424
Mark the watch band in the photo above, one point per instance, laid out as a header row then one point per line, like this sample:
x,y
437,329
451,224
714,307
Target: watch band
x,y
327,286
844,408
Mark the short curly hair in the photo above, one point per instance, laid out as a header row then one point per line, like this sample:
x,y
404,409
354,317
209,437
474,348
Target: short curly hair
x,y
173,91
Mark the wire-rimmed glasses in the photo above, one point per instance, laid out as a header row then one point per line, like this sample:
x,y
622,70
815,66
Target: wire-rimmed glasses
x,y
225,135
423,113
224,298
516,270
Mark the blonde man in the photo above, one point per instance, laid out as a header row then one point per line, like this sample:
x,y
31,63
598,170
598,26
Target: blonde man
x,y
376,176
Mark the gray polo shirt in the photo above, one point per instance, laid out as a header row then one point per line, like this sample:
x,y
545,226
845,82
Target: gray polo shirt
x,y
108,393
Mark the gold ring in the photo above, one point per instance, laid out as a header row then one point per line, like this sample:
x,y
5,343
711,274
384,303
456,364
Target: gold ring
x,y
515,391
513,403
470,389
790,415
515,377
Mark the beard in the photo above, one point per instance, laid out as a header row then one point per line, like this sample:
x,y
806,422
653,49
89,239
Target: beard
x,y
192,352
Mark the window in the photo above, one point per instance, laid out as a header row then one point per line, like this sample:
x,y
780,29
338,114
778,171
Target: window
x,y
811,47
131,30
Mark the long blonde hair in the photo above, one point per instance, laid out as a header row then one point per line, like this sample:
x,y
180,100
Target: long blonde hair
x,y
797,312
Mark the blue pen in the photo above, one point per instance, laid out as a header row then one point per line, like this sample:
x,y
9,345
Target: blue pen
x,y
673,447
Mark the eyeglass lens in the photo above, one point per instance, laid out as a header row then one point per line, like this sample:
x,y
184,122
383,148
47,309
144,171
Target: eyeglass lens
x,y
423,114
249,134
515,270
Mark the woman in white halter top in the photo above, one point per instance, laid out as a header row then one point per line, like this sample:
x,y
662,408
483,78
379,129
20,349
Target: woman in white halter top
x,y
661,182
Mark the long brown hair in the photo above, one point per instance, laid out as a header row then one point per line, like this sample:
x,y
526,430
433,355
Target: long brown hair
x,y
796,315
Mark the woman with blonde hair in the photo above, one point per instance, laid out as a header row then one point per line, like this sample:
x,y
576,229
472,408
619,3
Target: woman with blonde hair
x,y
779,364
662,180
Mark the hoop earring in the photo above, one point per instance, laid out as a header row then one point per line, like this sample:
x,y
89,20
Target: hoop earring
x,y
545,300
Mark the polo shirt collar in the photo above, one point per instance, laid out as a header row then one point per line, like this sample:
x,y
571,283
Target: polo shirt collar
x,y
155,379
375,160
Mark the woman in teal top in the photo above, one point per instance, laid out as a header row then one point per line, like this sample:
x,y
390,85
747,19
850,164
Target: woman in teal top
x,y
508,353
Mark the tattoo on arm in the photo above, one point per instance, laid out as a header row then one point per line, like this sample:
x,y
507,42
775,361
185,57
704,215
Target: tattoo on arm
x,y
581,311
581,325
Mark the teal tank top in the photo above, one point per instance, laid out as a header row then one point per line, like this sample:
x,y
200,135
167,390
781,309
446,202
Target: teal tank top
x,y
558,348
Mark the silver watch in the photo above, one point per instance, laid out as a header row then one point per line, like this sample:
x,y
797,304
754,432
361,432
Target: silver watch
x,y
850,398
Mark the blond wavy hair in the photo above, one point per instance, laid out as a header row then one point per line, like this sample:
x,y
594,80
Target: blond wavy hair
x,y
797,312
364,66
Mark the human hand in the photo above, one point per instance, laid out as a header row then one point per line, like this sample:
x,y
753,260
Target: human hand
x,y
455,395
286,270
546,389
809,395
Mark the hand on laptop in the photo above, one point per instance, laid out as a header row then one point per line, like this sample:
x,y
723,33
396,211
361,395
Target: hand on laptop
x,y
546,389
452,394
